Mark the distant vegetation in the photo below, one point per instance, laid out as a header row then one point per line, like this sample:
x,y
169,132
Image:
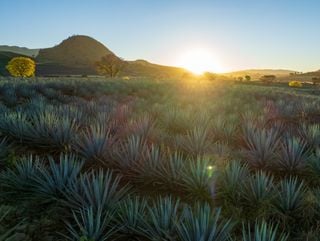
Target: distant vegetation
x,y
110,65
295,84
78,54
21,67
268,78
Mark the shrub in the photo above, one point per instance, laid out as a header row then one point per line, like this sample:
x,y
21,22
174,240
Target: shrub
x,y
295,84
21,67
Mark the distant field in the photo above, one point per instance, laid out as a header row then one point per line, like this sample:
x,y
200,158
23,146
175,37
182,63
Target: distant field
x,y
150,159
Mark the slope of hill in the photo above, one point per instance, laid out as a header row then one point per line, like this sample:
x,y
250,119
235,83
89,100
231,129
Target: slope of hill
x,y
19,50
257,73
79,50
312,74
74,55
144,68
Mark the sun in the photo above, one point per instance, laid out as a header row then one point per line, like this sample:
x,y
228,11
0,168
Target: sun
x,y
200,60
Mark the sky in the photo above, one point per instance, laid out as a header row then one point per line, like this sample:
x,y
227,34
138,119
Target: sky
x,y
237,34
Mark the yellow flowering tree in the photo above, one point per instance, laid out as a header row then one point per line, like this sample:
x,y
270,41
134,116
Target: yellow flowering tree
x,y
295,84
21,67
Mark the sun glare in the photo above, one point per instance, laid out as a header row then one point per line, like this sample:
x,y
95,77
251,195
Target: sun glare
x,y
199,61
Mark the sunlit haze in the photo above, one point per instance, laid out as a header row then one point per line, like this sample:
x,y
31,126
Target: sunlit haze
x,y
199,60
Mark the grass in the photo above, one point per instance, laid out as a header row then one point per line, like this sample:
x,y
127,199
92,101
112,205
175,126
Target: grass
x,y
150,159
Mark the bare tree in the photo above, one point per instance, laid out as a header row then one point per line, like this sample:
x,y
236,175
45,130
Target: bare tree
x,y
268,78
109,65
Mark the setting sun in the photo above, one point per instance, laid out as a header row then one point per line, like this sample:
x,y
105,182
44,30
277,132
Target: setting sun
x,y
199,61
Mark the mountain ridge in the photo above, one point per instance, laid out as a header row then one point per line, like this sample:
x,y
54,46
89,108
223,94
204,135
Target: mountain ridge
x,y
78,53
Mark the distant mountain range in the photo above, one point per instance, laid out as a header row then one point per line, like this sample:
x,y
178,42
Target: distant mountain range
x,y
76,55
256,73
19,50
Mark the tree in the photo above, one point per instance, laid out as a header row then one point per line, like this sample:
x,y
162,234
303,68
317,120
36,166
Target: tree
x,y
268,78
247,77
315,80
109,65
210,76
21,67
240,79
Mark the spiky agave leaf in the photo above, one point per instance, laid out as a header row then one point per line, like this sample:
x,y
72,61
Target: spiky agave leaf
x,y
231,180
4,150
91,225
262,231
52,131
94,143
51,182
293,156
146,168
169,172
314,164
7,234
129,152
311,134
223,130
196,142
161,219
19,180
130,214
176,121
290,200
142,126
16,125
97,189
203,224
261,146
197,176
258,193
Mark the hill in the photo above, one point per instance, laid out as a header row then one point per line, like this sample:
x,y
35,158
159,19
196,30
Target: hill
x,y
75,55
312,74
257,73
144,68
19,50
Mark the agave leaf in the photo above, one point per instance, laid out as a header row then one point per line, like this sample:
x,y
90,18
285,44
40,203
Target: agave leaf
x,y
161,220
97,189
262,231
90,225
203,224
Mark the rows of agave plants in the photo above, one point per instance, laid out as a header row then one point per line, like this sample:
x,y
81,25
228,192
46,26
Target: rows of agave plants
x,y
95,160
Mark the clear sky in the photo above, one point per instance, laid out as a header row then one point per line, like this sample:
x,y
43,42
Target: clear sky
x,y
240,34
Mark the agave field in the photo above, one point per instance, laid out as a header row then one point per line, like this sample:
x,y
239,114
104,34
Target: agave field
x,y
93,160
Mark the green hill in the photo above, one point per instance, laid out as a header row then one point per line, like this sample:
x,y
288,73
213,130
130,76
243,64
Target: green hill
x,y
5,57
74,55
144,68
19,50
